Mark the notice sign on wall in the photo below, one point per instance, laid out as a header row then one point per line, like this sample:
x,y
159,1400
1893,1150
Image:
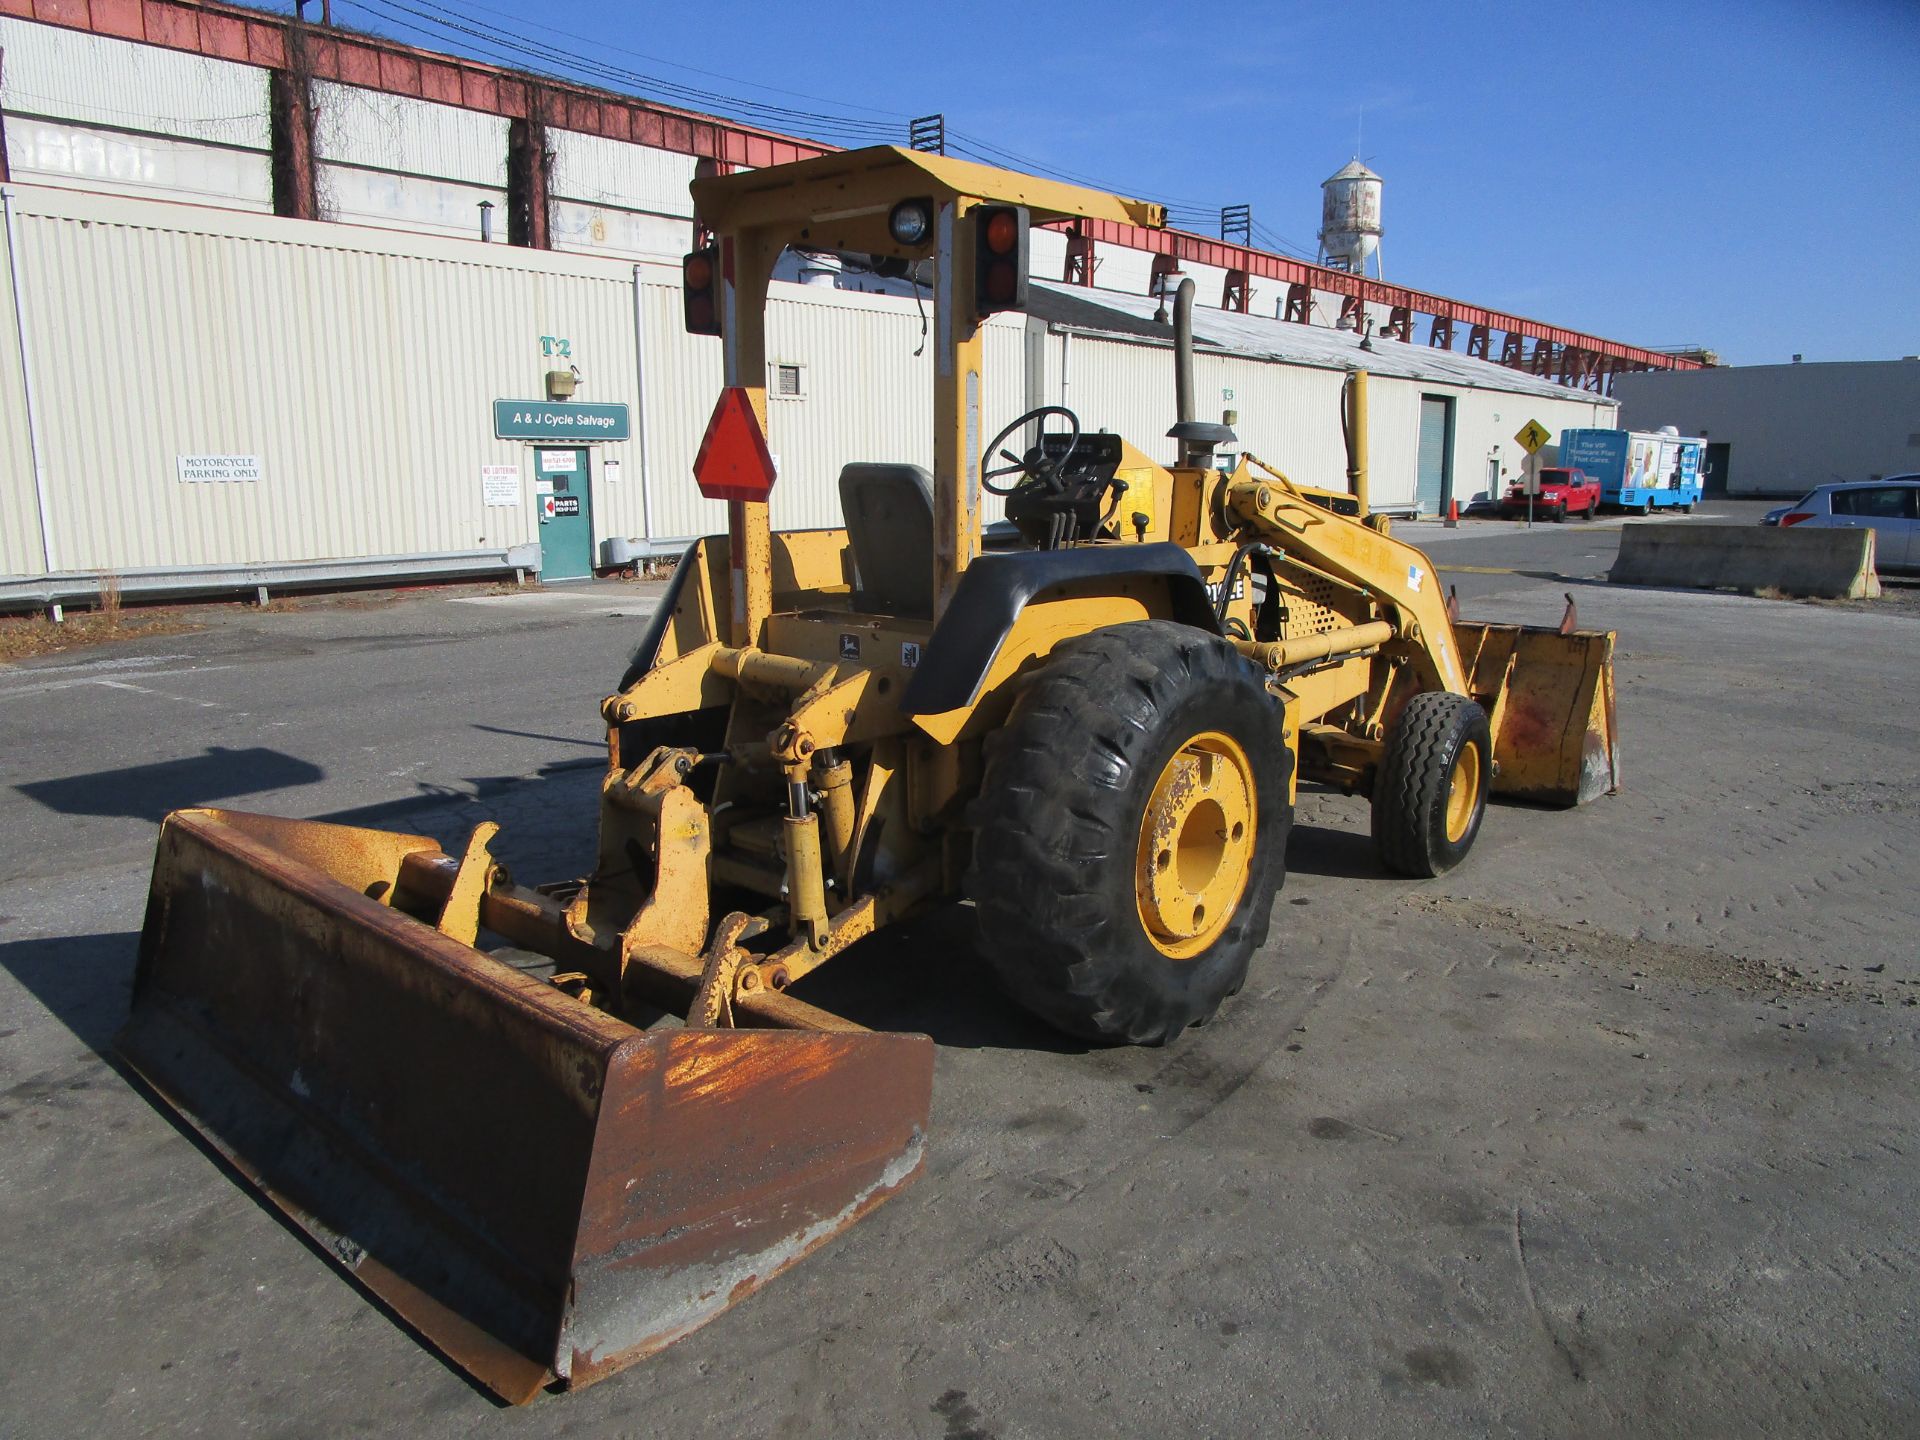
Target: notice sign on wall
x,y
500,484
218,467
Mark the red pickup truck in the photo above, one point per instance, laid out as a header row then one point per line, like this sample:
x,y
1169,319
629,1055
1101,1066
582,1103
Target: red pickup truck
x,y
1563,492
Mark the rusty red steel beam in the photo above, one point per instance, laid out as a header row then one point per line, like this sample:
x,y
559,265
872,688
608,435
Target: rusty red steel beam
x,y
1227,255
252,37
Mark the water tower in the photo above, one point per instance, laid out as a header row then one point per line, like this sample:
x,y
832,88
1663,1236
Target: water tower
x,y
1350,218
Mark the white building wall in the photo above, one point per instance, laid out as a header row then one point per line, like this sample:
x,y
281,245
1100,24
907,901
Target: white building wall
x,y
406,164
70,75
1289,414
1128,271
1788,427
619,234
376,131
364,386
865,396
20,552
130,119
145,166
611,197
1047,254
599,171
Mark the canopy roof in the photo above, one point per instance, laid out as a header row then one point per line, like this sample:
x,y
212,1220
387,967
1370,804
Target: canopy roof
x,y
835,187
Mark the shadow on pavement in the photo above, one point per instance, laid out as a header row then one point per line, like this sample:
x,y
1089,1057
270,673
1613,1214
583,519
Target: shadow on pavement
x,y
548,820
597,744
149,792
84,981
1337,854
925,975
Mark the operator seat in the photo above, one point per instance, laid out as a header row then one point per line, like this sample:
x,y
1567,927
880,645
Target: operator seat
x,y
889,511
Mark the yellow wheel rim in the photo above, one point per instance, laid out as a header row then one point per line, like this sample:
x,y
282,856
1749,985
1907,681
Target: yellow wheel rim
x,y
1463,792
1196,845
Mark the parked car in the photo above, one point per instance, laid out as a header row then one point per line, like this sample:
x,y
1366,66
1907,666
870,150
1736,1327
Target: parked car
x,y
1563,492
1890,506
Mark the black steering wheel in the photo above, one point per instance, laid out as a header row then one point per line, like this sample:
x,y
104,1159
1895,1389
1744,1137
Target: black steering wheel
x,y
1035,469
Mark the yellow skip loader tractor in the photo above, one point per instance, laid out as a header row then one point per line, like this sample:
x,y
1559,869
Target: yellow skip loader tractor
x,y
1089,720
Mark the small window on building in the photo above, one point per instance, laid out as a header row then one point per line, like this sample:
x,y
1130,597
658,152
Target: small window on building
x,y
789,381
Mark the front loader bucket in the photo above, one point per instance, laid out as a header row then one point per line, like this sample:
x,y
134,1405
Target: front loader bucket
x,y
542,1190
1549,695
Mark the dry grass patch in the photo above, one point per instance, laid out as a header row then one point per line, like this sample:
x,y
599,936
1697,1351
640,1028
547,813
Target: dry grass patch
x,y
25,636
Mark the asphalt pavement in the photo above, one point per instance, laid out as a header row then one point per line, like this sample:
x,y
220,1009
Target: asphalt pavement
x,y
1610,1131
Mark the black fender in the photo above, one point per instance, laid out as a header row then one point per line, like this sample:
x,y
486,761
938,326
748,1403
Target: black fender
x,y
995,588
649,648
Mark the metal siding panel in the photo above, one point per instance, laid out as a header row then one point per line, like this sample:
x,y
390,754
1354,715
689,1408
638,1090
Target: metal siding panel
x,y
867,397
365,387
1126,272
683,374
870,398
621,234
354,196
598,171
1047,254
399,134
1003,391
1124,388
70,75
1393,443
1287,415
151,167
19,517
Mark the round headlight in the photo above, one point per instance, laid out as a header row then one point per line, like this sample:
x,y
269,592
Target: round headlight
x,y
911,222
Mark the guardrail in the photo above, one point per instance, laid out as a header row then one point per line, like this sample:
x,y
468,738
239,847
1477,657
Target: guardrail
x,y
190,582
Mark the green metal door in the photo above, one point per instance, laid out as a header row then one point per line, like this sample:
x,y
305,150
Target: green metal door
x,y
1434,479
561,480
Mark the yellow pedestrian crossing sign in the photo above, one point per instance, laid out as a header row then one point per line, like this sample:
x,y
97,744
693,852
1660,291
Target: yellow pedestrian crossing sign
x,y
1533,435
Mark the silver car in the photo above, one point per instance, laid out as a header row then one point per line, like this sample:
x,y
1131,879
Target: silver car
x,y
1891,506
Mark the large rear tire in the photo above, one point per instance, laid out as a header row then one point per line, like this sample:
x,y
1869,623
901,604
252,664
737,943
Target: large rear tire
x,y
1131,832
1430,792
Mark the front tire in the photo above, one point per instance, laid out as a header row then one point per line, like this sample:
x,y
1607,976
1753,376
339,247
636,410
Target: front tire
x,y
1131,832
1430,791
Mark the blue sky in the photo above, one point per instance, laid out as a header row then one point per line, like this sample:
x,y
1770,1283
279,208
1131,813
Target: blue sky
x,y
1742,176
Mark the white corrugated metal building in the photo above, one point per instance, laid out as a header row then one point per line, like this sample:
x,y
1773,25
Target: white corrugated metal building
x,y
161,314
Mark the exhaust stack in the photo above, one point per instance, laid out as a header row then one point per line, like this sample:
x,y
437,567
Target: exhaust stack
x,y
1197,437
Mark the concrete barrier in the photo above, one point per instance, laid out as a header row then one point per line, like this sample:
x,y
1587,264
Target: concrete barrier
x,y
1823,564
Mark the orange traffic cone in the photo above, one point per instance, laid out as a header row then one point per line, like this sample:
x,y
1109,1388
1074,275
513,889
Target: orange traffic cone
x,y
1453,514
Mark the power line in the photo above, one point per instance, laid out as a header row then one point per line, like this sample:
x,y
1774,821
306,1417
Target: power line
x,y
693,69
445,18
1278,242
516,49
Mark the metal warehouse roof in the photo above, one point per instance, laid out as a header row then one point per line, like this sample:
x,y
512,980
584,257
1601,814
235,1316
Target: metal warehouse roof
x,y
1257,337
